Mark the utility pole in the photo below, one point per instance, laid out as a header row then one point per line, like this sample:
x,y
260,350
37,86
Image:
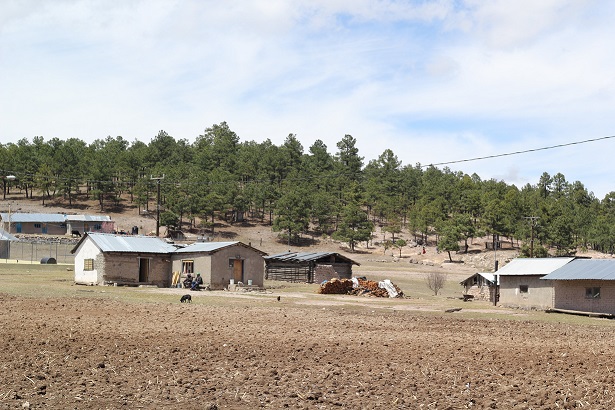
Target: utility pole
x,y
157,203
533,220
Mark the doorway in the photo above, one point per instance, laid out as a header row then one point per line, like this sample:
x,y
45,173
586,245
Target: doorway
x,y
143,269
238,270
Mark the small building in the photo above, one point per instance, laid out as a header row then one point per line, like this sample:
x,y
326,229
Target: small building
x,y
45,224
584,285
54,224
128,260
221,263
480,286
5,244
88,223
310,267
521,284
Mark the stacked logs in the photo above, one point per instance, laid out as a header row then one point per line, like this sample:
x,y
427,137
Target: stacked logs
x,y
336,287
365,288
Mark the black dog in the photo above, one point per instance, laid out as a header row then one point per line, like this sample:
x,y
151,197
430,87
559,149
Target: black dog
x,y
186,299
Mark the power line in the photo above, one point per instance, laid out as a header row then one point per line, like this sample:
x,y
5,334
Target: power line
x,y
520,152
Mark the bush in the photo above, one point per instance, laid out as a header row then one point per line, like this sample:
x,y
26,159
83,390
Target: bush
x,y
435,281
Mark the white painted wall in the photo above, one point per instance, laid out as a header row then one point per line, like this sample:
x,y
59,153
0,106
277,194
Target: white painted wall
x,y
87,250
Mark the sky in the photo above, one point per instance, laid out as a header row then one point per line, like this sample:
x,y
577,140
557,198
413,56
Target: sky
x,y
434,81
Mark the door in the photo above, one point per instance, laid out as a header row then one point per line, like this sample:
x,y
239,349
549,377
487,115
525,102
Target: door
x,y
17,227
143,269
44,228
238,270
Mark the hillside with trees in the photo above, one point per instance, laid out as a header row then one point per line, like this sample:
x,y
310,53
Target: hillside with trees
x,y
317,191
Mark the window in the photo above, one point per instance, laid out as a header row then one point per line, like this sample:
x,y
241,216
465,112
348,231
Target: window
x,y
523,289
37,226
188,266
88,264
592,293
97,227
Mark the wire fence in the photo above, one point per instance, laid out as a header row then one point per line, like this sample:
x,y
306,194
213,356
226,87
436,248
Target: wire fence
x,y
33,251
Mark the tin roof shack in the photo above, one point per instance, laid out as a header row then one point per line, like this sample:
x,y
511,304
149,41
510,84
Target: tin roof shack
x,y
125,260
5,244
310,267
219,263
480,286
52,224
585,286
521,284
88,223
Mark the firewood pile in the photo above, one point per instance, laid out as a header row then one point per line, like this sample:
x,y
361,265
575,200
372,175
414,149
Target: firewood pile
x,y
336,287
364,288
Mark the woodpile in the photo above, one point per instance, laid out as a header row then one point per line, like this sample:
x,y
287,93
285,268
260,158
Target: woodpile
x,y
336,287
364,288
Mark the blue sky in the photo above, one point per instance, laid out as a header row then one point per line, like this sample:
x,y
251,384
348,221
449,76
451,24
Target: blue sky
x,y
434,81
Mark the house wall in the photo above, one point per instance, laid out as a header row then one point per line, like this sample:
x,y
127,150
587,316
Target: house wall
x,y
83,227
55,228
539,294
216,269
222,270
202,265
124,267
88,250
570,295
480,292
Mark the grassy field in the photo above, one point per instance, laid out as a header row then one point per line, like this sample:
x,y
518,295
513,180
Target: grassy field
x,y
56,281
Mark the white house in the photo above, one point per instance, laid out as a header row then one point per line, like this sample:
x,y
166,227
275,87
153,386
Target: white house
x,y
105,258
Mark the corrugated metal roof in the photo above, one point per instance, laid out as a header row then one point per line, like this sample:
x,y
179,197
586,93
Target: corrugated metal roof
x,y
298,257
488,276
205,247
532,266
88,218
579,269
25,217
5,236
128,243
22,217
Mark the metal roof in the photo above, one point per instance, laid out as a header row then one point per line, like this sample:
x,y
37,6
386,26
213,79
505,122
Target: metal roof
x,y
127,243
5,236
299,257
593,269
532,266
26,217
88,218
22,217
489,276
208,247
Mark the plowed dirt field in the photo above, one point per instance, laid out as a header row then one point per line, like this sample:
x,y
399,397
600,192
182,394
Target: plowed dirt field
x,y
244,353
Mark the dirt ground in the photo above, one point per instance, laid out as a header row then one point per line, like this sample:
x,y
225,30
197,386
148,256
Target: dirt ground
x,y
257,352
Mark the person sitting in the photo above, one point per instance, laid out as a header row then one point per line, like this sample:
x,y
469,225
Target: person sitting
x,y
197,282
188,281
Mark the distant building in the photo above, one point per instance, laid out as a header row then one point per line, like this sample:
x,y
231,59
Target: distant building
x,y
5,244
105,258
54,224
139,260
521,283
480,286
310,267
584,285
220,262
